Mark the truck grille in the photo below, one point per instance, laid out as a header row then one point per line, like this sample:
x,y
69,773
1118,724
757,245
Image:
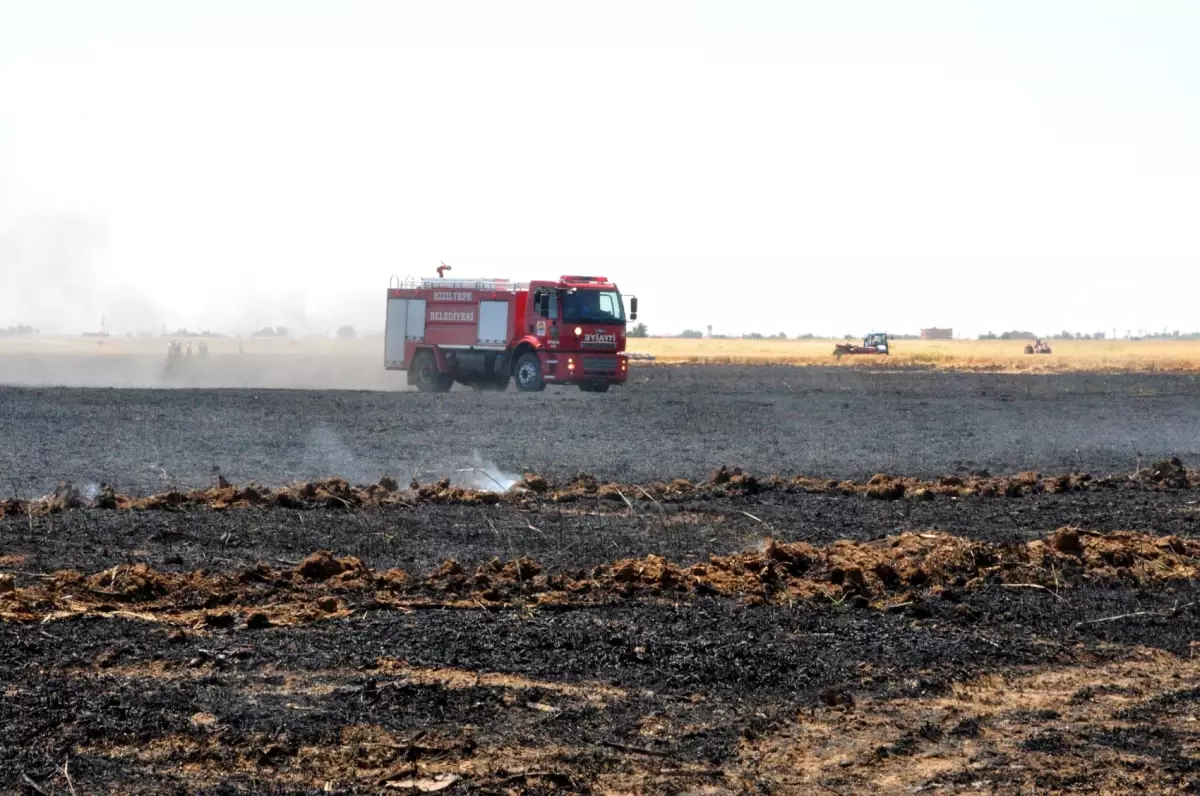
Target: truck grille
x,y
599,365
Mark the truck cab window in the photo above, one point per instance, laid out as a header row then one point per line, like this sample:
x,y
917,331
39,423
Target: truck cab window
x,y
608,304
592,306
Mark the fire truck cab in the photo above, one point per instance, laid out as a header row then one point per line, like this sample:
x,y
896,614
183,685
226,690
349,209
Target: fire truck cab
x,y
485,332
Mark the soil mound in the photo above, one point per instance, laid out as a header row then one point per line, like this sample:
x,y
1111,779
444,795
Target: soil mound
x,y
133,583
337,493
321,566
1169,473
895,570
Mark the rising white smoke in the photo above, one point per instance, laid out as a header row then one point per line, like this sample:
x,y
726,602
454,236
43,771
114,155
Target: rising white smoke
x,y
475,472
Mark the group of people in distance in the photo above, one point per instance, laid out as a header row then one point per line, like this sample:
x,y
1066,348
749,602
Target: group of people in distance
x,y
177,351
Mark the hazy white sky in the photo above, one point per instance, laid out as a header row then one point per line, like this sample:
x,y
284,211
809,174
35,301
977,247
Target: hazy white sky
x,y
825,167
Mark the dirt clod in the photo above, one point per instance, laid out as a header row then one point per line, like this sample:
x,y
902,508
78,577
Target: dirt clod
x,y
65,496
535,483
1169,473
257,620
320,566
106,498
1066,540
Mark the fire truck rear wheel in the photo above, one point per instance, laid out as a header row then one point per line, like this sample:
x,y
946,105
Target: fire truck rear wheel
x,y
528,373
428,378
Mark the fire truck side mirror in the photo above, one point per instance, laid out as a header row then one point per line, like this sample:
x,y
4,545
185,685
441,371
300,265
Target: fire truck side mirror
x,y
633,308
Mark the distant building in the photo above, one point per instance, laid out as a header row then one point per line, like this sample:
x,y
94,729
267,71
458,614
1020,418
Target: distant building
x,y
937,334
1098,336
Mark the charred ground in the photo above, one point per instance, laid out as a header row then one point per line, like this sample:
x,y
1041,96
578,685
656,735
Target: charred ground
x,y
625,633
579,642
668,421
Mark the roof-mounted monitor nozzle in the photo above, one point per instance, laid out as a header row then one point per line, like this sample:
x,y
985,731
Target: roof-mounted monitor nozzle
x,y
442,269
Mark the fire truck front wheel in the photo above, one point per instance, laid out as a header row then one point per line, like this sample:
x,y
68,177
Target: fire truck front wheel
x,y
426,375
528,372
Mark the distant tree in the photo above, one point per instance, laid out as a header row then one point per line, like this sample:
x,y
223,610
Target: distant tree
x,y
691,334
753,336
989,336
781,336
639,330
346,332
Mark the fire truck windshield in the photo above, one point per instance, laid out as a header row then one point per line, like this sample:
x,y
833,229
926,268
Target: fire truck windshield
x,y
592,306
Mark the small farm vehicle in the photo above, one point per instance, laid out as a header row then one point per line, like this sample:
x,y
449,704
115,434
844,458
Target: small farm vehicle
x,y
1038,347
874,343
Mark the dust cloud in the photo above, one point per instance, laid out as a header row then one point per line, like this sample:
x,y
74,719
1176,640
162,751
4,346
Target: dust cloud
x,y
96,324
245,363
92,329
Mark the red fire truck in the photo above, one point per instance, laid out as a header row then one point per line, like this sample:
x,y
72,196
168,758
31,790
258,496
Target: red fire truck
x,y
484,332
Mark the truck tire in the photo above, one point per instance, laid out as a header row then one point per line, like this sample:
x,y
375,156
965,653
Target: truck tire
x,y
426,375
528,373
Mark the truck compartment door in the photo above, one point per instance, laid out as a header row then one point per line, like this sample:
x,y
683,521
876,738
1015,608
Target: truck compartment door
x,y
493,323
394,333
416,320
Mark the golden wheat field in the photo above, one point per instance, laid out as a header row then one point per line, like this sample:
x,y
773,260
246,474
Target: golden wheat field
x,y
1141,356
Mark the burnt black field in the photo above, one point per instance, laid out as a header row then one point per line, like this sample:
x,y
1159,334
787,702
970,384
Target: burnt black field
x,y
1068,683
666,422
